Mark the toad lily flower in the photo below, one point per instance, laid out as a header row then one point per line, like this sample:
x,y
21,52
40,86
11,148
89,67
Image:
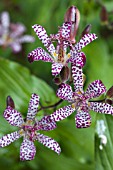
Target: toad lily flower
x,y
81,101
11,35
58,56
28,129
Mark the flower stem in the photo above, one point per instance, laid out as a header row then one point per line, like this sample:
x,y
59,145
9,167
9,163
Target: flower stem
x,y
50,106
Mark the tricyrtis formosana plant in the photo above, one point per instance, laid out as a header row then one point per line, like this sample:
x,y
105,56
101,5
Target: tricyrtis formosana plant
x,y
67,68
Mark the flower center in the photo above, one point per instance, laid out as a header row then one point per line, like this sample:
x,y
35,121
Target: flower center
x,y
81,100
28,130
7,39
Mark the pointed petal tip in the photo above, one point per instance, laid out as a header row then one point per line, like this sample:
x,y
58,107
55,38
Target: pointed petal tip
x,y
33,26
58,151
10,102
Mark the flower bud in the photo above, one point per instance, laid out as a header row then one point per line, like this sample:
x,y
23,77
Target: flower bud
x,y
10,102
109,101
57,80
86,30
72,15
64,74
109,93
104,16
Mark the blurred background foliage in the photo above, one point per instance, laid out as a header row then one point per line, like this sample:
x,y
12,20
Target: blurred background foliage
x,y
19,79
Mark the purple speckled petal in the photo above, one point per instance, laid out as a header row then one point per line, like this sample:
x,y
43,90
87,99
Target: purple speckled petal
x,y
46,123
82,119
33,105
65,30
77,78
48,142
96,88
62,113
79,58
9,138
101,107
13,117
65,92
5,20
27,150
39,54
85,40
17,30
56,68
16,47
2,41
42,35
26,38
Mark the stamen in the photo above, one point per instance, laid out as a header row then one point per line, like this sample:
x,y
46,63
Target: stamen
x,y
68,55
79,92
73,105
21,132
89,122
55,54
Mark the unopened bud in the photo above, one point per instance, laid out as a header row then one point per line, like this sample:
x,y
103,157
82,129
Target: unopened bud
x,y
10,102
72,15
57,80
64,74
86,30
109,101
109,93
104,15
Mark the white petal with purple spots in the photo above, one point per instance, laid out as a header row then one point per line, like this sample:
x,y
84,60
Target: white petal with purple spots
x,y
33,105
26,38
9,138
101,107
77,78
13,117
62,113
2,41
16,46
65,30
82,119
96,88
77,58
27,150
48,142
42,35
85,40
5,20
17,30
56,68
39,54
46,123
65,92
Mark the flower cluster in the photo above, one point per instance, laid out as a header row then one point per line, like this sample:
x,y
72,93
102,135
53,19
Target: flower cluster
x,y
66,51
11,34
28,129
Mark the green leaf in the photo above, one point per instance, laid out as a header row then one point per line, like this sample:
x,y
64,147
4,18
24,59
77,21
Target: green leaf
x,y
16,81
